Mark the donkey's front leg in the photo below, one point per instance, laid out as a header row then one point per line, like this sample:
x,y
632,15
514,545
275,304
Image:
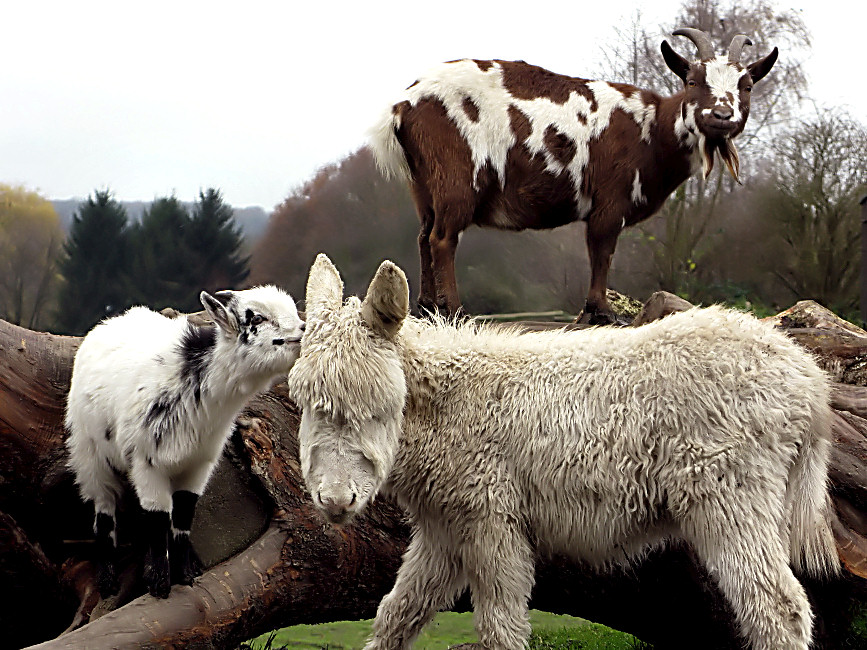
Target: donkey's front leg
x,y
429,580
499,565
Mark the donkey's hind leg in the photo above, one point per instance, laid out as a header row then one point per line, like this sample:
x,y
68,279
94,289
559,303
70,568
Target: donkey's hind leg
x,y
429,580
742,548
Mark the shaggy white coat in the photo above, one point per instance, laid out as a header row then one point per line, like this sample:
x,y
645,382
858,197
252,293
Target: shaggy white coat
x,y
708,426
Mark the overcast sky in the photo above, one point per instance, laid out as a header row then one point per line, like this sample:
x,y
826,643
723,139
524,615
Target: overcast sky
x,y
153,98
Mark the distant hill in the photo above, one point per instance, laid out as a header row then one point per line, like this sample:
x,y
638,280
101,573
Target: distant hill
x,y
252,220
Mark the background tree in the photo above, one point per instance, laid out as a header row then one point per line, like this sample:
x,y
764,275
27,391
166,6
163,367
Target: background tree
x,y
161,260
215,244
30,244
810,203
95,267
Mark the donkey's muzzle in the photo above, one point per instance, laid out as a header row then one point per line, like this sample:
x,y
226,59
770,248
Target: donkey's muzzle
x,y
338,510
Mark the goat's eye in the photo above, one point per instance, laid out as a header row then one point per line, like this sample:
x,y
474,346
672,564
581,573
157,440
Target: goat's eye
x,y
749,89
258,319
690,83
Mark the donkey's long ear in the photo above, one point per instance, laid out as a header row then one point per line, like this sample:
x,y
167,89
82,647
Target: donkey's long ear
x,y
386,304
324,286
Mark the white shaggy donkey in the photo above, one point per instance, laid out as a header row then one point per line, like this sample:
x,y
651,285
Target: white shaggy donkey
x,y
154,400
707,426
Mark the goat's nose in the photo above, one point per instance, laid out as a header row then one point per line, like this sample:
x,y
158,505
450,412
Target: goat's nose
x,y
722,112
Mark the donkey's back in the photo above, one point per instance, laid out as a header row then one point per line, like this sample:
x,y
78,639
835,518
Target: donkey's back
x,y
609,438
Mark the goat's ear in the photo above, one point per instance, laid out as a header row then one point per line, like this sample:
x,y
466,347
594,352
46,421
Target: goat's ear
x,y
386,304
216,308
324,286
675,62
760,68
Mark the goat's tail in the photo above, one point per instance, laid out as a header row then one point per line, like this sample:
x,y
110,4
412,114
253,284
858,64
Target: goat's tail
x,y
812,550
387,150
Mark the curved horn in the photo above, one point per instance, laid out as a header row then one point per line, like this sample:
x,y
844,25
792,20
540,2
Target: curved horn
x,y
737,47
700,39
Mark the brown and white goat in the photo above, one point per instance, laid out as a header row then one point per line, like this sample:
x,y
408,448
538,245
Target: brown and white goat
x,y
509,145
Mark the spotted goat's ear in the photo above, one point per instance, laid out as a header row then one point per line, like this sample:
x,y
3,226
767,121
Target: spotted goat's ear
x,y
386,304
216,308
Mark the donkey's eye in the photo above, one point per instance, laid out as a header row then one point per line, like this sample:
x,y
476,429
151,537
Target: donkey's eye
x,y
258,319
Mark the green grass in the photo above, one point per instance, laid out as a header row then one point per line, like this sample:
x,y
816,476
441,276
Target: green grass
x,y
550,632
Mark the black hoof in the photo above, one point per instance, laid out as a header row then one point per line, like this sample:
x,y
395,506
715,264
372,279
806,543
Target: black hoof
x,y
106,581
156,576
185,563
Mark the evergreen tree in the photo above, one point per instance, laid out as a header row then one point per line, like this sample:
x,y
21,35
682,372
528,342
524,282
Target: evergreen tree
x,y
95,265
215,242
162,264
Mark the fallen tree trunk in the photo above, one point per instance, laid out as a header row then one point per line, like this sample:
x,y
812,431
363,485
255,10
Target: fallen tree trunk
x,y
274,562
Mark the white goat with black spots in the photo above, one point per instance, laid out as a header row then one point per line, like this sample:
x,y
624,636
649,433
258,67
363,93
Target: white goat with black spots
x,y
707,426
154,400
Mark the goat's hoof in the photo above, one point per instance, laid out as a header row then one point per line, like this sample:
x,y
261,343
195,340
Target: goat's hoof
x,y
106,581
184,561
159,586
160,591
156,577
189,571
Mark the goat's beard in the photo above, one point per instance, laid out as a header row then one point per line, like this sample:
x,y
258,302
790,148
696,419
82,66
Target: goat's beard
x,y
727,152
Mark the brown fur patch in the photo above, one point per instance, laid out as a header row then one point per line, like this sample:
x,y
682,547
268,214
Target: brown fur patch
x,y
525,81
561,146
519,123
470,109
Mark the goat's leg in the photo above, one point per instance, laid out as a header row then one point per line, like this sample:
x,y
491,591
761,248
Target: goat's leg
x,y
105,528
428,581
500,569
99,483
427,291
184,562
188,486
741,547
443,244
601,242
154,491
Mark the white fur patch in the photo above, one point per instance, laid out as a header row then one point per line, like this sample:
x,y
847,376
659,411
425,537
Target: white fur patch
x,y
686,131
637,195
722,78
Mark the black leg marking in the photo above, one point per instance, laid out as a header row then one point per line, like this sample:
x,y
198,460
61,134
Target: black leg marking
x,y
106,555
183,508
185,564
156,567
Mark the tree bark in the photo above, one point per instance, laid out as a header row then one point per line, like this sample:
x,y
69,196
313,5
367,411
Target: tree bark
x,y
274,562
